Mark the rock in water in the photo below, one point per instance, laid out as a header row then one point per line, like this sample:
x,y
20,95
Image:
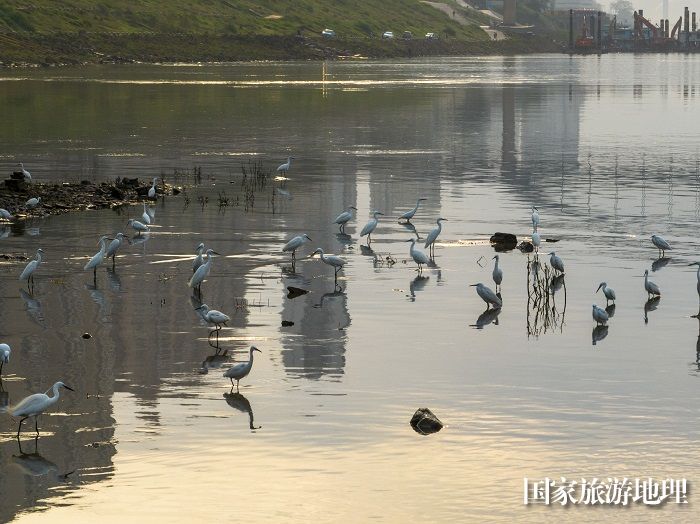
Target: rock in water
x,y
526,246
504,241
294,292
425,422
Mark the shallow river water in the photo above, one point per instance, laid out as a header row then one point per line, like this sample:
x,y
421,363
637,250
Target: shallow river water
x,y
606,148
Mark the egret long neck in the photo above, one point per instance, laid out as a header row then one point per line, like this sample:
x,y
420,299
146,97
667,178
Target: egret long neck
x,y
38,257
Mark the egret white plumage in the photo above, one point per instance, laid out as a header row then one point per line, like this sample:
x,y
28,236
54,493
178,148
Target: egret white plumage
x,y
335,262
198,260
651,287
214,316
417,255
202,271
295,243
487,295
241,370
152,190
370,226
138,226
607,291
535,218
556,262
600,315
28,272
660,244
98,257
4,356
34,405
344,218
284,168
4,213
146,217
536,240
27,176
497,273
432,236
116,243
408,215
32,202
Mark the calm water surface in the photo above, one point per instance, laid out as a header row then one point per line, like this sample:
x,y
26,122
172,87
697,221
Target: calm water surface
x,y
606,147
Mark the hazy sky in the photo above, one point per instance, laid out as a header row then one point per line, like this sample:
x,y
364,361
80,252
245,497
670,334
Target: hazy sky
x,y
652,8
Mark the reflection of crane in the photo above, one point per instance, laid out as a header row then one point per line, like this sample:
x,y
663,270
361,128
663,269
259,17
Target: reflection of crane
x,y
584,41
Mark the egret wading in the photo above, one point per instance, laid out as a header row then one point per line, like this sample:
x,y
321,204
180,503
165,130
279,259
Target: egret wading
x,y
34,405
600,315
651,288
146,216
32,202
4,213
660,244
344,218
536,241
214,317
418,256
408,215
202,271
138,226
4,356
284,168
152,190
98,258
607,291
488,296
698,276
295,244
556,262
28,273
497,274
241,370
433,235
370,227
335,262
198,259
116,243
535,218
27,176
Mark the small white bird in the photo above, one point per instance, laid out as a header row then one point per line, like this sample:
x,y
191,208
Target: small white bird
x,y
497,273
660,244
152,190
607,291
649,286
98,257
151,211
418,256
4,213
241,370
295,244
25,173
535,218
432,236
32,202
370,227
198,259
34,405
28,272
146,217
4,356
536,241
487,295
284,168
138,226
600,315
335,262
202,271
556,262
214,316
344,218
408,215
116,243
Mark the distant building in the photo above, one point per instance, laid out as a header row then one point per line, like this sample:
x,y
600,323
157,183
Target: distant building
x,y
565,5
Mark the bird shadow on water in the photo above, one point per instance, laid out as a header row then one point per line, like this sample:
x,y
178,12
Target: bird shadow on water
x,y
660,263
344,238
599,333
240,403
650,305
489,316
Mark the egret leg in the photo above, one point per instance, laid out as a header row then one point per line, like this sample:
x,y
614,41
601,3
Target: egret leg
x,y
113,261
237,382
20,426
294,256
36,425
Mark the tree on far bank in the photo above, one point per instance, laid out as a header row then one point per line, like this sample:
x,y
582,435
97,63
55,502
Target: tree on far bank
x,y
624,11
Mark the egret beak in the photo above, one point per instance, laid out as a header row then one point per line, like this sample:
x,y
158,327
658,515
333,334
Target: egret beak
x,y
216,253
255,349
310,239
380,213
599,288
494,258
473,285
68,387
200,307
353,207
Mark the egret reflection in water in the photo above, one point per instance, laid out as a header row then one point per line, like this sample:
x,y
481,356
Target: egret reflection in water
x,y
650,305
489,316
545,312
660,263
240,403
599,333
417,284
35,465
33,307
610,310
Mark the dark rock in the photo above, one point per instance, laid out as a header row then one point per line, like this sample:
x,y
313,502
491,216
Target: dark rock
x,y
6,256
17,175
294,292
85,183
551,240
287,323
177,190
16,184
142,191
86,335
526,246
504,241
425,422
116,193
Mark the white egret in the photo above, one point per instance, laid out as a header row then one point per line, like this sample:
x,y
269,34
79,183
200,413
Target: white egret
x,y
213,316
98,257
4,356
497,273
432,236
698,275
607,291
284,168
34,405
488,296
536,240
535,218
600,315
344,218
242,369
4,213
202,271
335,262
146,217
418,256
28,273
370,227
198,260
295,244
556,262
114,245
651,287
408,215
151,214
32,202
27,176
138,226
660,244
152,190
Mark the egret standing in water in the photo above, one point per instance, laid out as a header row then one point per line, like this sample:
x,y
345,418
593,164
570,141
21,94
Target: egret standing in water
x,y
284,168
418,256
202,271
4,356
432,236
32,202
114,246
295,244
344,218
335,262
536,241
34,405
408,215
556,262
214,317
28,273
152,190
241,370
4,213
98,258
497,274
146,216
198,260
607,291
27,176
651,288
600,315
138,226
698,276
660,244
535,218
488,296
370,227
